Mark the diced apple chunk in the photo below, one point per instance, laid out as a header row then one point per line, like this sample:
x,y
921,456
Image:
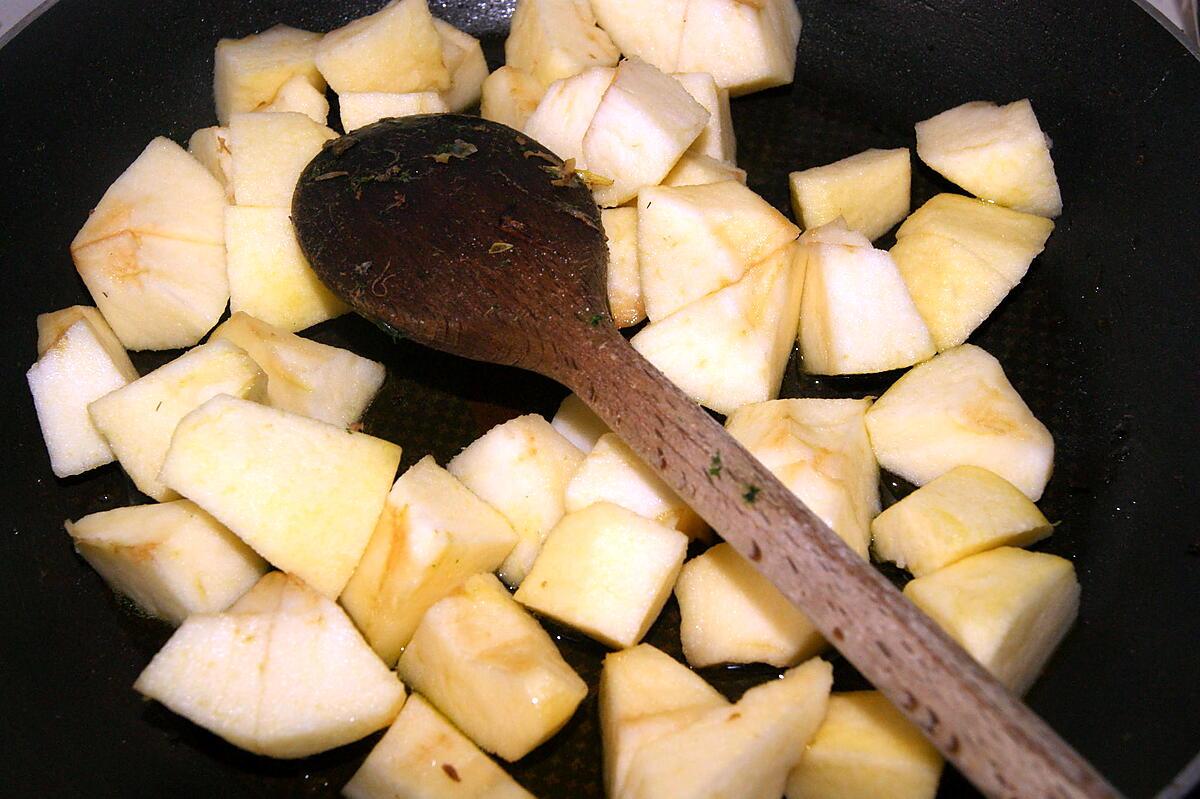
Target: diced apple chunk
x,y
613,473
745,750
139,419
432,535
819,449
730,348
51,327
865,747
960,257
694,240
645,694
270,150
693,169
152,253
555,39
644,123
857,316
76,367
566,109
249,72
210,146
730,613
172,559
510,96
486,663
463,56
299,96
959,409
717,140
624,274
396,49
282,673
423,755
521,468
870,191
746,46
363,108
326,383
578,424
305,495
1009,609
269,277
649,31
605,571
965,511
998,153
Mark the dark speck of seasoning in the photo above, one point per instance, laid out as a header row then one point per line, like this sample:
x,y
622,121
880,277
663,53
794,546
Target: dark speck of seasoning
x,y
751,493
451,772
838,635
337,173
595,320
339,146
158,406
734,716
363,268
714,465
459,149
398,201
499,247
105,293
755,552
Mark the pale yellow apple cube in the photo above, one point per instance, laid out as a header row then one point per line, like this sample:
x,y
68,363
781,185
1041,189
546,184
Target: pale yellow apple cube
x,y
521,468
249,72
960,257
270,150
555,39
693,169
463,55
210,146
744,750
172,559
152,252
363,108
76,366
694,240
565,111
959,409
645,121
299,96
965,511
611,472
819,449
645,694
857,316
624,274
865,747
432,535
326,383
305,495
731,613
510,96
717,140
870,191
488,665
998,153
139,419
649,31
605,571
1009,609
281,673
269,277
746,46
577,423
424,755
396,49
730,348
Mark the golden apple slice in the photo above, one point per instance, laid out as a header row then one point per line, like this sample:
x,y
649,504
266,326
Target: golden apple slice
x,y
396,49
510,96
249,72
555,39
870,191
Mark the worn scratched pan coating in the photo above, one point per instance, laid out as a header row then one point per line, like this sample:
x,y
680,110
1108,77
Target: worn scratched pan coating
x,y
1101,339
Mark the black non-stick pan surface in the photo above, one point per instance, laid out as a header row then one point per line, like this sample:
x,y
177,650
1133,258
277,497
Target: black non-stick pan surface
x,y
1101,340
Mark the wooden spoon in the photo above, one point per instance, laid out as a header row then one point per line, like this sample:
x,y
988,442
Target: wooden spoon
x,y
466,236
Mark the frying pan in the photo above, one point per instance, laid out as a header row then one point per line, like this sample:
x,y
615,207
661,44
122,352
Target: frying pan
x,y
1101,339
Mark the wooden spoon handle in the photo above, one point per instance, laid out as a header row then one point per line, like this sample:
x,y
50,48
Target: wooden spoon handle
x,y
994,739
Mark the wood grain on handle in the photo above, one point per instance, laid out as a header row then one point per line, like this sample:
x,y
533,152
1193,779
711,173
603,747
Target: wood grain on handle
x,y
995,740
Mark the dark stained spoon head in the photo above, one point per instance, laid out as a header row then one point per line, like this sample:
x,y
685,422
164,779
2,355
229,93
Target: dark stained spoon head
x,y
458,232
